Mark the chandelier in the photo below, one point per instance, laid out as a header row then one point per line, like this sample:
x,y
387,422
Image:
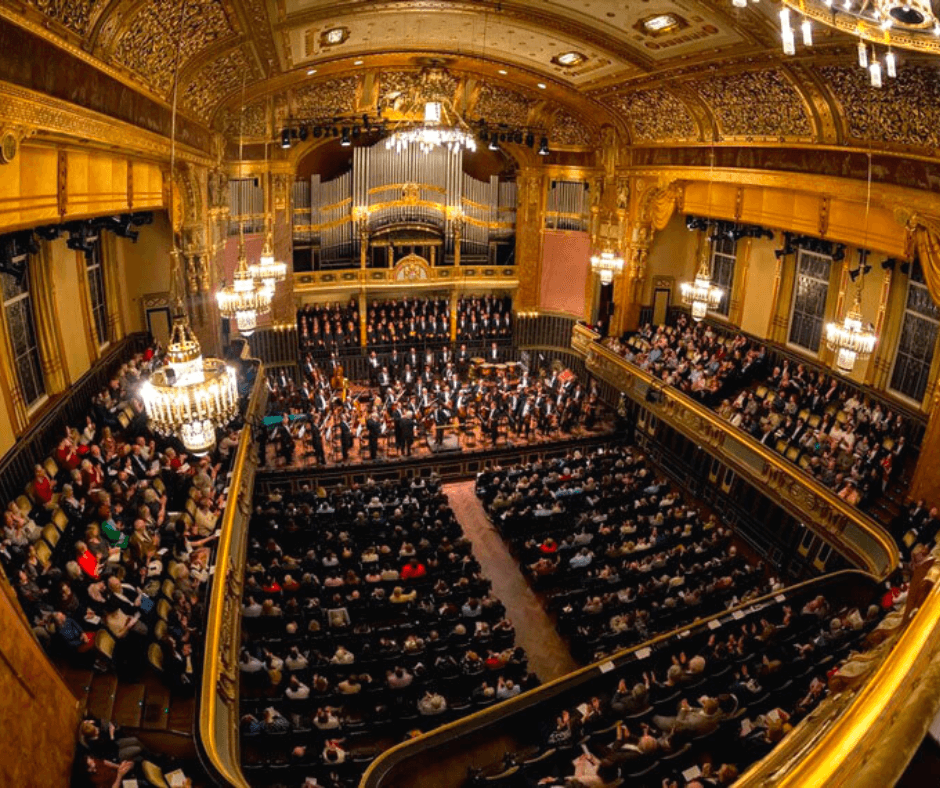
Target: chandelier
x,y
267,270
701,295
851,340
890,24
190,397
437,129
606,265
245,299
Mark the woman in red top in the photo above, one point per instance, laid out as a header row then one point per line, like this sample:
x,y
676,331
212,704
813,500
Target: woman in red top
x,y
413,570
549,546
86,560
42,486
66,456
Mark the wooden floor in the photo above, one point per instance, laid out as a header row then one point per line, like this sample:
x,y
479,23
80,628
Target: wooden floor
x,y
548,654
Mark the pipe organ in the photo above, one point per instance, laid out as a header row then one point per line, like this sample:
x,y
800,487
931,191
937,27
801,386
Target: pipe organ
x,y
568,206
246,201
398,203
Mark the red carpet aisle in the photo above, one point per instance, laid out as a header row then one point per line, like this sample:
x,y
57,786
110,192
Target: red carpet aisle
x,y
548,653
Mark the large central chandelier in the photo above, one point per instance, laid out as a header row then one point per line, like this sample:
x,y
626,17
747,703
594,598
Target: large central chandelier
x,y
245,300
889,24
606,265
701,295
852,339
190,397
437,129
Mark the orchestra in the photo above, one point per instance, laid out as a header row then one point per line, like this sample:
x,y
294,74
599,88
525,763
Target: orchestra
x,y
425,395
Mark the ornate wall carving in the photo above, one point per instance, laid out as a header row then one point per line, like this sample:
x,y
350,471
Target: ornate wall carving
x,y
499,105
218,78
654,114
255,121
906,111
332,97
569,130
755,104
148,46
396,85
73,14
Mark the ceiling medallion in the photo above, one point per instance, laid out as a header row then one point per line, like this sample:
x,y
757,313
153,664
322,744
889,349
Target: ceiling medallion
x,y
334,36
888,24
569,59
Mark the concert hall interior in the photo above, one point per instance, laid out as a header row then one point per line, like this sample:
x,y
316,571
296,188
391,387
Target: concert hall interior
x,y
472,393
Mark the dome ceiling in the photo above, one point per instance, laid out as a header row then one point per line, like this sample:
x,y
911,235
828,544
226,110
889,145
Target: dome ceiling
x,y
681,71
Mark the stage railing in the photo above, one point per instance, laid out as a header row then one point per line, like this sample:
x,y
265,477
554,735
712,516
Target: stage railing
x,y
219,694
381,280
850,532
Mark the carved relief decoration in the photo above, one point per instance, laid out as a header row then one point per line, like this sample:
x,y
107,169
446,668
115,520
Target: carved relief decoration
x,y
396,86
755,104
325,99
568,130
654,114
218,78
73,14
254,121
148,46
500,105
905,111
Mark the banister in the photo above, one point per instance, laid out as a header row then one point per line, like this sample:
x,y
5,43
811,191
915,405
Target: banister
x,y
219,715
849,530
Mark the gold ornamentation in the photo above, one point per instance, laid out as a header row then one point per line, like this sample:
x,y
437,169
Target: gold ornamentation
x,y
8,147
148,46
254,124
755,104
906,111
215,80
326,99
501,105
73,14
411,268
397,86
568,130
654,114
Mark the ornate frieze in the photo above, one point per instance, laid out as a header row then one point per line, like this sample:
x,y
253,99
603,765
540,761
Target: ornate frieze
x,y
148,45
217,79
73,14
654,114
397,86
755,104
568,130
325,99
905,111
501,105
253,124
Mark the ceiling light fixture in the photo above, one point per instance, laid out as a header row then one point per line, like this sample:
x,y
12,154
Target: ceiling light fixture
x,y
893,24
569,59
606,265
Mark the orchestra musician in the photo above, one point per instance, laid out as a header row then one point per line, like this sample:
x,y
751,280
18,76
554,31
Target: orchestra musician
x,y
284,439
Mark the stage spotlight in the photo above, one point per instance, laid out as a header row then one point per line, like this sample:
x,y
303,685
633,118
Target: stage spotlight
x,y
543,147
285,138
345,141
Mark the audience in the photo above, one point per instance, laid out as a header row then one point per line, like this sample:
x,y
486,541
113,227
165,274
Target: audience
x,y
849,443
365,617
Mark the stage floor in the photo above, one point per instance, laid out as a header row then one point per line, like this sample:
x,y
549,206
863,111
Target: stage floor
x,y
467,443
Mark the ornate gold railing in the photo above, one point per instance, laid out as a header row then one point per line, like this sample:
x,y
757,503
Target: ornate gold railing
x,y
377,279
850,532
218,700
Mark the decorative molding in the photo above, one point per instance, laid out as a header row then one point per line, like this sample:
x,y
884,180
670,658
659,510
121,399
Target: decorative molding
x,y
218,78
755,104
326,99
496,104
566,129
654,114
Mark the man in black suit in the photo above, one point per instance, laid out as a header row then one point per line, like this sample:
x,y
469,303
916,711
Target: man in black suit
x,y
284,438
492,355
316,438
374,430
345,436
407,429
374,367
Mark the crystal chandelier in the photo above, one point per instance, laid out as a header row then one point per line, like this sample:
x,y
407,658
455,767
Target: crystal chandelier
x,y
267,270
436,130
890,24
702,295
190,397
245,299
851,340
606,265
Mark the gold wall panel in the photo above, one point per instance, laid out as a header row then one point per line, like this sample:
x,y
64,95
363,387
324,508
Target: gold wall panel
x,y
370,280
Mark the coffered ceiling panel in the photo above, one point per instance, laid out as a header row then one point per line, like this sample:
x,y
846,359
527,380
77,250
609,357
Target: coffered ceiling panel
x,y
459,31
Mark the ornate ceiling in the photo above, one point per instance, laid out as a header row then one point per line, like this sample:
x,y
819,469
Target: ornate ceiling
x,y
660,71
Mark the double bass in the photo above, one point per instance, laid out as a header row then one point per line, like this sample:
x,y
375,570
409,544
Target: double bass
x,y
338,382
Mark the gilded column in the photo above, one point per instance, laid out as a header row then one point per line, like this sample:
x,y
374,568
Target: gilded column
x,y
739,285
453,315
528,238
